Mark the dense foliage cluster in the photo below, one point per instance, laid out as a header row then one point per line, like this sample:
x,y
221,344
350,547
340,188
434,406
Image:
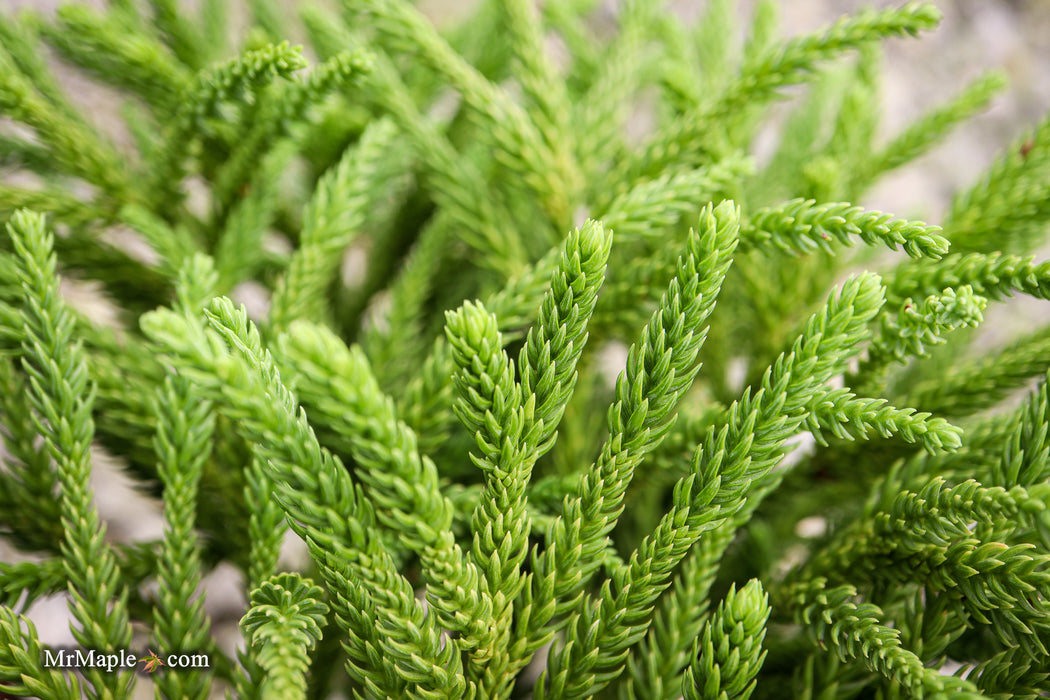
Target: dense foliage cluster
x,y
490,510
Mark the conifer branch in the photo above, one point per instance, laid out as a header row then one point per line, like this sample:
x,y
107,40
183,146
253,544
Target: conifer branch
x,y
237,78
456,181
981,382
548,100
393,350
184,432
729,654
178,32
803,226
933,126
1001,585
20,152
21,667
24,583
1009,674
75,147
1008,208
266,525
518,143
239,250
174,245
335,215
285,618
428,400
797,58
20,35
850,417
653,205
402,484
307,497
29,513
656,665
62,206
773,69
61,395
514,424
309,479
995,276
732,459
115,50
427,404
659,369
855,631
918,326
602,111
745,462
283,106
1026,458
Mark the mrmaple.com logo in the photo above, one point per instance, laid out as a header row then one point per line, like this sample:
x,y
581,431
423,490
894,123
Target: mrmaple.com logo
x,y
74,659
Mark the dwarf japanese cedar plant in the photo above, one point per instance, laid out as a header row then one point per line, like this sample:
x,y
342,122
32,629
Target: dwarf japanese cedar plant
x,y
555,437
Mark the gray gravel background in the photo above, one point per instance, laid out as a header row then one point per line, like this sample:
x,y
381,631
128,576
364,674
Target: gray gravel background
x,y
976,35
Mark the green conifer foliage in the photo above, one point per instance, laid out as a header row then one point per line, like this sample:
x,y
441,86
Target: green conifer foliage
x,y
558,409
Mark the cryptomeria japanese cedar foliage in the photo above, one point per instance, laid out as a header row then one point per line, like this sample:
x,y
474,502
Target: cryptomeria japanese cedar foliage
x,y
490,510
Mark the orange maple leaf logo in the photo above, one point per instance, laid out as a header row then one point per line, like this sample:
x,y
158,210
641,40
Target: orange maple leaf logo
x,y
151,662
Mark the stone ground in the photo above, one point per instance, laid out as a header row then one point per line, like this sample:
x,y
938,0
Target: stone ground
x,y
976,35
